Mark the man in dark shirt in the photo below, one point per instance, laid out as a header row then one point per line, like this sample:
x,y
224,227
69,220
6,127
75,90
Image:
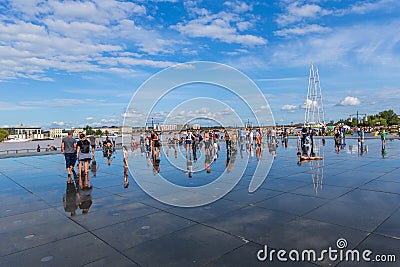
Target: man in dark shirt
x,y
68,149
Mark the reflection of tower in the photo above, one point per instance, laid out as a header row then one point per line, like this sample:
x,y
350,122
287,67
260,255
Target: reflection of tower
x,y
315,113
317,166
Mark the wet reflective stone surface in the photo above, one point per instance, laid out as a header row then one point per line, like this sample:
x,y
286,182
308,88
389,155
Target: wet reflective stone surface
x,y
299,206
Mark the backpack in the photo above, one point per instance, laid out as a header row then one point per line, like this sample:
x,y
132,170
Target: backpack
x,y
85,146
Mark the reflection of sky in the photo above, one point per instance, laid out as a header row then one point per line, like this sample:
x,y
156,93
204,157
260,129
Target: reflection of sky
x,y
334,170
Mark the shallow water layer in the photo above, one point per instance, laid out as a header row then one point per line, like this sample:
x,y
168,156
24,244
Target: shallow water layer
x,y
349,195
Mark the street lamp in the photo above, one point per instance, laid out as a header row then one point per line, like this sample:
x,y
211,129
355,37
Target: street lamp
x,y
357,116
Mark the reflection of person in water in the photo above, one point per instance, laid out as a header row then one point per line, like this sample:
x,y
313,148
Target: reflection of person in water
x,y
258,152
189,166
307,158
85,180
175,151
384,153
216,149
272,149
71,199
126,178
230,160
125,154
93,166
155,160
109,160
85,199
207,161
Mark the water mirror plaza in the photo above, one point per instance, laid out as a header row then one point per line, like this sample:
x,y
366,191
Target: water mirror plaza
x,y
347,201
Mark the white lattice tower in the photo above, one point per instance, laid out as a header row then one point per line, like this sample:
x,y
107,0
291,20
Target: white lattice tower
x,y
315,113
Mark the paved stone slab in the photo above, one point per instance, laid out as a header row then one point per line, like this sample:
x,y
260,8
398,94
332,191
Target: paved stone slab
x,y
193,246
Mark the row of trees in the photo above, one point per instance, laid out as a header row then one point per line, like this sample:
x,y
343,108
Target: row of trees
x,y
89,131
383,118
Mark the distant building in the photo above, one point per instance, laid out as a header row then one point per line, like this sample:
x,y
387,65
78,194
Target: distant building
x,y
56,132
23,132
124,130
196,126
75,131
165,128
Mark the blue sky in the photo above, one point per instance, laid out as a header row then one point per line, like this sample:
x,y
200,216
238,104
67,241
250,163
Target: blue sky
x,y
70,63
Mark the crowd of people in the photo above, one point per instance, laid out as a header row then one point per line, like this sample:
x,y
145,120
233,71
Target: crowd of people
x,y
195,142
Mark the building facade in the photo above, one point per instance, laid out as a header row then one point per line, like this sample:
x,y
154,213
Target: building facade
x,y
23,132
165,128
56,133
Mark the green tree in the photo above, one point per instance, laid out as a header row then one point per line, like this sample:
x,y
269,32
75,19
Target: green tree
x,y
106,132
382,122
3,134
390,116
98,132
89,130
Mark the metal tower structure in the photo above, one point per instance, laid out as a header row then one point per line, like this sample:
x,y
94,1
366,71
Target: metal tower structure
x,y
315,114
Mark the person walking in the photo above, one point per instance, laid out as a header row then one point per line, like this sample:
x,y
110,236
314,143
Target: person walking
x,y
251,137
228,141
189,141
68,149
84,157
155,141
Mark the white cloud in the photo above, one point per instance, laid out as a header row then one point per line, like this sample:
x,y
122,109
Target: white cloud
x,y
310,104
364,7
89,118
148,41
238,6
237,52
100,11
74,36
312,28
7,106
171,1
244,25
295,13
220,27
289,108
58,123
366,43
350,101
